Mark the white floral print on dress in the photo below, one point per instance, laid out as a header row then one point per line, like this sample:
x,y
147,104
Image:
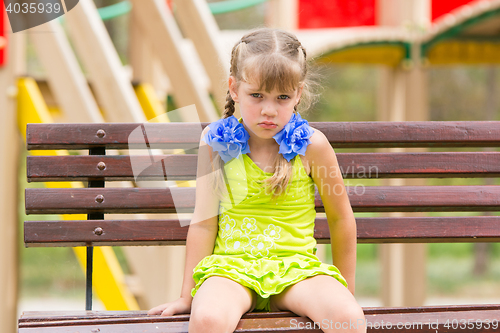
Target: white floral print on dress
x,y
226,226
261,245
236,242
273,232
248,225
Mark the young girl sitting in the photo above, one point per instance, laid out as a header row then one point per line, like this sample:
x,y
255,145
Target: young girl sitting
x,y
250,245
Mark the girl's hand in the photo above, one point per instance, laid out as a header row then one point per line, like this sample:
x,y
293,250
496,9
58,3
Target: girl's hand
x,y
181,305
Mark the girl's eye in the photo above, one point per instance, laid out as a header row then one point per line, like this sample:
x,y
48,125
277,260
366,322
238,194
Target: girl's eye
x,y
283,97
256,95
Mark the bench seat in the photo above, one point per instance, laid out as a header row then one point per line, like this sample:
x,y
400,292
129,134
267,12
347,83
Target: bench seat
x,y
423,319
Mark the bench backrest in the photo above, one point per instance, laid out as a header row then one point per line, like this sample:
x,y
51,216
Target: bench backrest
x,y
99,168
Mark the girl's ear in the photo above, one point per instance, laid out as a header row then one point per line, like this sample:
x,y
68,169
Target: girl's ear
x,y
299,94
233,88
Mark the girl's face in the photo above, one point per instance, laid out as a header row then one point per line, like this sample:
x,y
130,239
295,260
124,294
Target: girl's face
x,y
264,113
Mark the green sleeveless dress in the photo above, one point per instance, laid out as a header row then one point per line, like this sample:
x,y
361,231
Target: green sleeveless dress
x,y
262,244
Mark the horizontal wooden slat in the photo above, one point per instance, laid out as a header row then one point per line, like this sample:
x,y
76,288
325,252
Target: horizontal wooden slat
x,y
415,320
183,167
114,200
114,135
169,232
362,199
340,134
422,198
84,168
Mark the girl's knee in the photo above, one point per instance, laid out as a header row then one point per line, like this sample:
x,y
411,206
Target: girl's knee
x,y
348,318
208,319
205,321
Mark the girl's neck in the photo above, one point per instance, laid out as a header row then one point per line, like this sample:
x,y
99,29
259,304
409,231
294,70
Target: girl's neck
x,y
259,145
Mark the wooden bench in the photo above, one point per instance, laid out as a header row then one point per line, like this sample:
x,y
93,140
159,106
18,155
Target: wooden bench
x,y
97,168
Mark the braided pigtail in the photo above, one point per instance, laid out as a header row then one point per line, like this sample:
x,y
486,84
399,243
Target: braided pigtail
x,y
218,177
229,107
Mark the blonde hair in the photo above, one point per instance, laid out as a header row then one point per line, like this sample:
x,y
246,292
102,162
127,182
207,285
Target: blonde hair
x,y
272,59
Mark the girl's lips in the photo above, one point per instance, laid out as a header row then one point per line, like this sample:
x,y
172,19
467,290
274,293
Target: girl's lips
x,y
268,125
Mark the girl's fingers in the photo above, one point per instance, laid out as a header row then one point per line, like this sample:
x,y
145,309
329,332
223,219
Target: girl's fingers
x,y
170,311
175,308
158,309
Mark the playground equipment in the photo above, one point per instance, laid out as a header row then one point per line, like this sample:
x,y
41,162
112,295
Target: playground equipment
x,y
404,39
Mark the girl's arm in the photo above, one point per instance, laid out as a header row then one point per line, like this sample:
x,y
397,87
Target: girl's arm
x,y
201,234
327,176
204,223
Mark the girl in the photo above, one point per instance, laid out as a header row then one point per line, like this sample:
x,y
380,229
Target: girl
x,y
250,244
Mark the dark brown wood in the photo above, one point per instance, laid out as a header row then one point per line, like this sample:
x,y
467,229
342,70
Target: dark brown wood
x,y
411,134
90,315
362,198
423,198
116,136
183,167
29,316
171,232
109,200
419,165
85,168
340,134
453,320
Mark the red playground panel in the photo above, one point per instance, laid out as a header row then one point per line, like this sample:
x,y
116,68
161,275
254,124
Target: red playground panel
x,y
3,36
440,7
315,14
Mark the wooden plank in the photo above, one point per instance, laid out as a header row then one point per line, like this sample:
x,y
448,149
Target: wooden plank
x,y
183,167
146,67
362,199
283,14
199,25
10,147
114,136
158,24
84,168
170,232
67,82
30,316
109,200
425,321
96,50
340,134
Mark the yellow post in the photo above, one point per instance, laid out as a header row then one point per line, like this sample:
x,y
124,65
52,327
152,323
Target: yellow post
x,y
9,152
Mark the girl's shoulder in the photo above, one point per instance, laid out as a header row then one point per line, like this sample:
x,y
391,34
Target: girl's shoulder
x,y
307,158
319,143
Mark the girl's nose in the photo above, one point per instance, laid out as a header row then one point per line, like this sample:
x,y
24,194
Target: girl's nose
x,y
269,109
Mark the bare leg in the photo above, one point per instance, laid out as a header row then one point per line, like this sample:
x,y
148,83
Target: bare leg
x,y
325,301
219,304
